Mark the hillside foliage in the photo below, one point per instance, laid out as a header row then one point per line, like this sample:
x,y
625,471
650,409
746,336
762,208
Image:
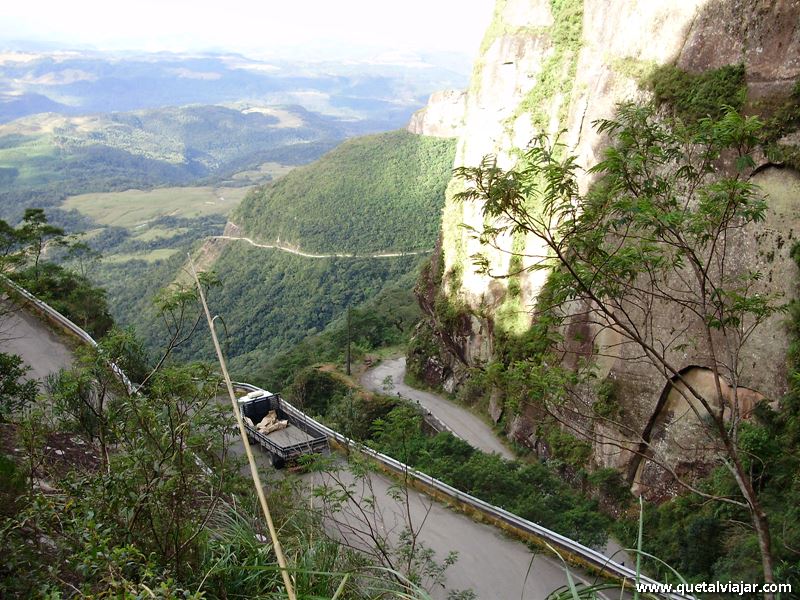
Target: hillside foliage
x,y
379,193
386,319
24,258
395,427
267,300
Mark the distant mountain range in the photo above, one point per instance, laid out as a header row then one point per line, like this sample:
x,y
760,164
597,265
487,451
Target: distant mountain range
x,y
384,92
46,157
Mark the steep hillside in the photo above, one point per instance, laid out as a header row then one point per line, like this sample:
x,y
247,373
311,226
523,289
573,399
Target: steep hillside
x,y
270,300
386,319
373,196
547,66
379,193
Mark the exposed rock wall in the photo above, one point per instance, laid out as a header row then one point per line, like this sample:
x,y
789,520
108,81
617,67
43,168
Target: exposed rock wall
x,y
442,116
547,66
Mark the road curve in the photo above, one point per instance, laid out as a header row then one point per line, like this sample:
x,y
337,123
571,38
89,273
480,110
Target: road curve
x,y
41,349
463,423
310,255
491,564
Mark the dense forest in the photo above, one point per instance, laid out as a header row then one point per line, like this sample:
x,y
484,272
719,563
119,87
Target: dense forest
x,y
386,320
379,193
268,300
353,200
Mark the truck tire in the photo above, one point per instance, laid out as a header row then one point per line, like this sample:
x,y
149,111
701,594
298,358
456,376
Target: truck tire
x,y
276,461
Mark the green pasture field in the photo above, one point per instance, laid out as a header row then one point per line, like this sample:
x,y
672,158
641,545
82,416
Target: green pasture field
x,y
150,257
136,207
268,171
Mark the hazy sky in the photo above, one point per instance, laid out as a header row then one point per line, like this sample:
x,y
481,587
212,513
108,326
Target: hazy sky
x,y
249,26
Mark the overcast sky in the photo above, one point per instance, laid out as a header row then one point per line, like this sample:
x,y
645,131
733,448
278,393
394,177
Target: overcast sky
x,y
251,27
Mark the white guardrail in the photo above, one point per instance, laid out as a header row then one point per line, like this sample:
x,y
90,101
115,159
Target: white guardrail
x,y
64,322
591,557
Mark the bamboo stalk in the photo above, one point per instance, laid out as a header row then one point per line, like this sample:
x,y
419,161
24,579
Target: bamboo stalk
x,y
243,434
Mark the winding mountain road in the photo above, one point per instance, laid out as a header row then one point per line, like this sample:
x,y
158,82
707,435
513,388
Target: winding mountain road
x,y
491,564
310,255
462,422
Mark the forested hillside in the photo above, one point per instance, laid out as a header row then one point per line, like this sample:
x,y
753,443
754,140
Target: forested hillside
x,y
378,193
267,299
387,319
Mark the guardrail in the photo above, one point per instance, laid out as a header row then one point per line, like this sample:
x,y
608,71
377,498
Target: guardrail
x,y
56,317
529,530
526,529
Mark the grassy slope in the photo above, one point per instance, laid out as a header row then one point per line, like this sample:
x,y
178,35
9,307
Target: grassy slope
x,y
133,208
376,193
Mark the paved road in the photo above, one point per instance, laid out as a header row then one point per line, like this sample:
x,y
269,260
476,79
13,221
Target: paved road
x,y
42,350
297,252
465,424
493,565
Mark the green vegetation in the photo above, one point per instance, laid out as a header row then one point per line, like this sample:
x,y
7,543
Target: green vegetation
x,y
108,495
357,199
134,208
639,70
268,300
772,442
394,427
528,489
15,391
377,193
782,117
46,158
152,520
557,75
384,320
696,96
271,300
661,212
66,289
71,294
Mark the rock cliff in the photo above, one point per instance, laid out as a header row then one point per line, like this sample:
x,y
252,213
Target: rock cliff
x,y
442,116
558,65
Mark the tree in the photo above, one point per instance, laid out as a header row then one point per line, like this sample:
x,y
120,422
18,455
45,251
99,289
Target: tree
x,y
36,232
9,246
83,256
654,233
15,392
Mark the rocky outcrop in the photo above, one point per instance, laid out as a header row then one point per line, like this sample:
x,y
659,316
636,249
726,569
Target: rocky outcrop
x,y
442,116
547,67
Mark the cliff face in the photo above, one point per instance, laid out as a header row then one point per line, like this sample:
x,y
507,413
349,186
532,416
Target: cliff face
x,y
442,116
552,65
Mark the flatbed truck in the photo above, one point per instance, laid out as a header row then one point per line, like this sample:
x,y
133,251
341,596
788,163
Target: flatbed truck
x,y
286,445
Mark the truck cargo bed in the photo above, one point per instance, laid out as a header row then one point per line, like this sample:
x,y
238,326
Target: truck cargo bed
x,y
283,445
